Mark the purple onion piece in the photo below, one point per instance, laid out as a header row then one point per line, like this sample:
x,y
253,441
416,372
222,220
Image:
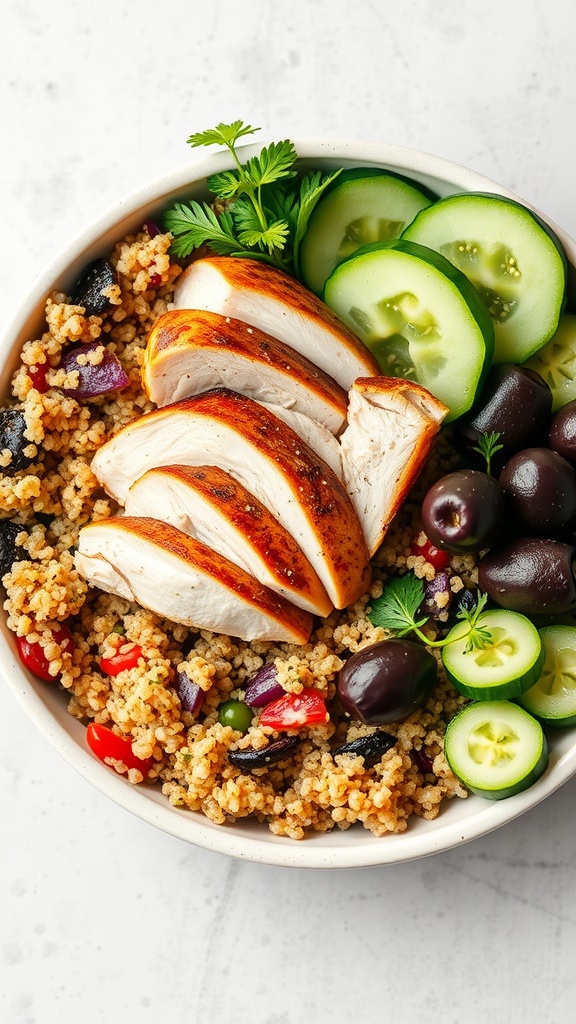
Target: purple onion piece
x,y
106,376
191,695
433,589
423,762
264,687
153,228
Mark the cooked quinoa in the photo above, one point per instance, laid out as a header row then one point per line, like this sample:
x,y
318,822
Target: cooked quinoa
x,y
313,788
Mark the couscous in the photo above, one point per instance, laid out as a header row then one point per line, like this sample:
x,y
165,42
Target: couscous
x,y
143,697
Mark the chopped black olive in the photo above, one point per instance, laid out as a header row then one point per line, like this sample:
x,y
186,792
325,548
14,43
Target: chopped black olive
x,y
12,428
371,747
88,291
276,751
10,551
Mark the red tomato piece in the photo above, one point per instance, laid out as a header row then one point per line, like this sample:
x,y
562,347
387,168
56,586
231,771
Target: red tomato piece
x,y
128,655
294,710
435,556
34,657
109,746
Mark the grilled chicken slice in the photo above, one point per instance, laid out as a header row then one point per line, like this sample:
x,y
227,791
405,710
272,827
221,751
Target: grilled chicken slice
x,y
392,425
316,436
176,576
274,302
208,504
244,438
191,351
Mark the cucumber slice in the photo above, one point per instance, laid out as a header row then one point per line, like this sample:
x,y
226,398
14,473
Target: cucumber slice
x,y
495,748
365,205
514,261
556,362
419,316
510,664
553,698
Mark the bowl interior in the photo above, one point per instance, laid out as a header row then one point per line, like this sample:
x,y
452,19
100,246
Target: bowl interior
x,y
460,820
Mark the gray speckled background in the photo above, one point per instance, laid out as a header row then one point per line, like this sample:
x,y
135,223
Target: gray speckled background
x,y
103,918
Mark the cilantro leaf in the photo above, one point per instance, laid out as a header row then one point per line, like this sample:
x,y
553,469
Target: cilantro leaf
x,y
196,224
312,186
271,238
225,185
488,446
273,163
479,637
222,135
398,604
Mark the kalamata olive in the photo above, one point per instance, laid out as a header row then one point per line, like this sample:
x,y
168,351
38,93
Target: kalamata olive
x,y
387,681
249,759
191,695
10,551
93,378
533,575
372,748
541,490
562,433
463,511
516,403
89,289
12,429
263,687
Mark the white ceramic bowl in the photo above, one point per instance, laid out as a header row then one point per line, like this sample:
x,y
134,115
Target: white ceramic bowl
x,y
460,820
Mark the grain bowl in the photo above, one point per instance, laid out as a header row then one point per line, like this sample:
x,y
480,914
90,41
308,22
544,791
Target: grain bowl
x,y
459,820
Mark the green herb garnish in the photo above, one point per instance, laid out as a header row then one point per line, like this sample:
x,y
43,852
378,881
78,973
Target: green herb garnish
x,y
397,608
261,207
488,446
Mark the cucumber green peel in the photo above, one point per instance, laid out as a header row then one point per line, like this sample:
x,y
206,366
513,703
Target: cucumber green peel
x,y
507,665
510,255
495,748
419,315
552,699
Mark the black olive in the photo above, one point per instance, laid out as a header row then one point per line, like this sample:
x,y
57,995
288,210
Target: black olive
x,y
541,489
88,291
372,748
387,681
515,402
12,428
533,576
562,433
10,551
463,511
276,751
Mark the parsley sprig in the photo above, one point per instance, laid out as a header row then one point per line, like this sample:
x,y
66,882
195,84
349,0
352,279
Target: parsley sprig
x,y
261,207
398,607
488,446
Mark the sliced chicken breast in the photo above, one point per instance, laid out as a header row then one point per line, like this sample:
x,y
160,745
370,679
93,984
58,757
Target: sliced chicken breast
x,y
245,439
191,351
279,305
318,437
176,576
392,425
208,504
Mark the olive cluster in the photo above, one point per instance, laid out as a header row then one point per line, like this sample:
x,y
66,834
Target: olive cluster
x,y
523,523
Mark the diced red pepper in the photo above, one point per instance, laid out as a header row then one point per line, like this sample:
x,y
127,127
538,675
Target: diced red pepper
x,y
127,656
435,556
37,375
294,710
33,656
109,746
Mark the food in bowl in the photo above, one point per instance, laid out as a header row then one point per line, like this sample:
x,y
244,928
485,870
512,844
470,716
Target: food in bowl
x,y
178,707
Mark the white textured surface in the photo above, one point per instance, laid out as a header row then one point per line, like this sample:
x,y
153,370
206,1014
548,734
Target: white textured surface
x,y
103,918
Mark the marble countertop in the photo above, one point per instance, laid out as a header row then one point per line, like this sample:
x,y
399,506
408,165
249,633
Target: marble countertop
x,y
103,917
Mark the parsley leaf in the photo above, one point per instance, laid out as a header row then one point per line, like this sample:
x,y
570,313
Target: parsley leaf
x,y
260,211
397,607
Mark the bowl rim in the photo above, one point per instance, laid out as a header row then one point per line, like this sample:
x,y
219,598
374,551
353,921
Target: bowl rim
x,y
193,827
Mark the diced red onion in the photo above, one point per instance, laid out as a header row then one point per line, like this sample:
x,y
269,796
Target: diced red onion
x,y
191,695
108,375
433,589
153,228
264,687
